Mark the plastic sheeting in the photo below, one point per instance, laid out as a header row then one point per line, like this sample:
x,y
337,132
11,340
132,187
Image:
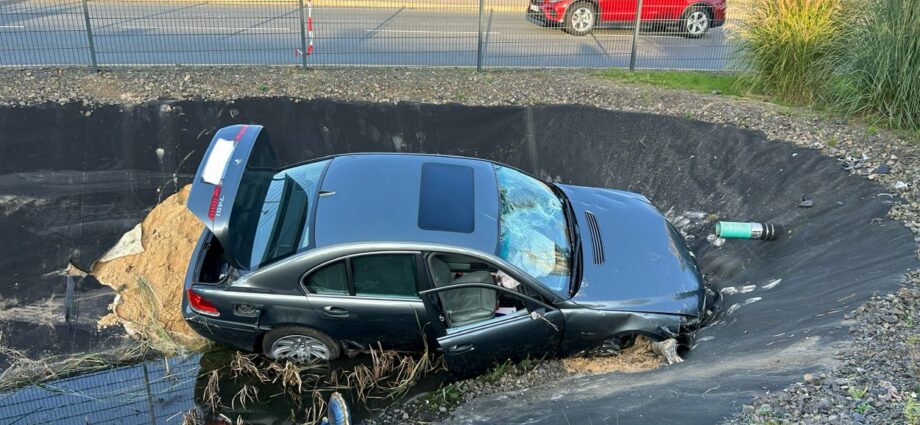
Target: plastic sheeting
x,y
78,185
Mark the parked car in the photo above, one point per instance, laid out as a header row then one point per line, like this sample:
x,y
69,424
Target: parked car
x,y
693,18
482,260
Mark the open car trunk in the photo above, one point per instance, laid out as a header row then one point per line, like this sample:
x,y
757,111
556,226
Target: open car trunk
x,y
228,192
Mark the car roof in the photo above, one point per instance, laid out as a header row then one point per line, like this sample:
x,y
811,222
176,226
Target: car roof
x,y
428,199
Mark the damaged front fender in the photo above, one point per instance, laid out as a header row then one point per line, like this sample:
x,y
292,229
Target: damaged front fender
x,y
589,328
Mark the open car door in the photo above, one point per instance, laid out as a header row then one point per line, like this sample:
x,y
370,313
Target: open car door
x,y
478,325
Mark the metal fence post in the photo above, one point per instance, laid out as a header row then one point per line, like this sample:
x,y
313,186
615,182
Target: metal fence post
x,y
632,56
303,37
94,66
479,40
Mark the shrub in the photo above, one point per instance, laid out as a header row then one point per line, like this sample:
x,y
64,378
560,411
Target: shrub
x,y
788,45
878,68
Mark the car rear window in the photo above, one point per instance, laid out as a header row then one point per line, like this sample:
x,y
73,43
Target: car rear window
x,y
283,227
331,279
446,198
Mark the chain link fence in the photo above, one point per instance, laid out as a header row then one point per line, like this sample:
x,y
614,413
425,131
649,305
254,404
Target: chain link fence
x,y
146,393
465,33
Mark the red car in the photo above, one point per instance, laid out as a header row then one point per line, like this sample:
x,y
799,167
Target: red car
x,y
578,17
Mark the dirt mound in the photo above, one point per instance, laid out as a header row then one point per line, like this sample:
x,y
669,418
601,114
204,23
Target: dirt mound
x,y
149,283
637,358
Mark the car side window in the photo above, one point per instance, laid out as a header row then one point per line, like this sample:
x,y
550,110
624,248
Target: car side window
x,y
331,279
385,274
463,307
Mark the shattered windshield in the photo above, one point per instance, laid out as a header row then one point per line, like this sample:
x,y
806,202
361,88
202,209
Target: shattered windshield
x,y
533,233
284,223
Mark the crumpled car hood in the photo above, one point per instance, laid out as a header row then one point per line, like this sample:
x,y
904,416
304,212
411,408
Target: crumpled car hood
x,y
645,265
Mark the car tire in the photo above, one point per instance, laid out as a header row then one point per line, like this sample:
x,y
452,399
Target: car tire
x,y
580,18
300,345
695,22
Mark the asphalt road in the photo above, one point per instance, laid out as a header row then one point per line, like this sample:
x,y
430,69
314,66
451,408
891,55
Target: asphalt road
x,y
52,32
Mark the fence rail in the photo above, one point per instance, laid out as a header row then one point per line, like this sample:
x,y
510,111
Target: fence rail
x,y
465,33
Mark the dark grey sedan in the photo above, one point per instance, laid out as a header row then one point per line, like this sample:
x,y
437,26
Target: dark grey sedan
x,y
354,250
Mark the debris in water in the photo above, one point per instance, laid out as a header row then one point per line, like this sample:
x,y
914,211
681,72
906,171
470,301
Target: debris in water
x,y
772,284
668,350
639,357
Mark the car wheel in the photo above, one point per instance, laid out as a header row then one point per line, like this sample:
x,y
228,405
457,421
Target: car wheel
x,y
696,22
580,18
300,345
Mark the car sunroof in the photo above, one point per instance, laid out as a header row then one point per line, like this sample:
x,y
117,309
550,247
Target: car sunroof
x,y
446,198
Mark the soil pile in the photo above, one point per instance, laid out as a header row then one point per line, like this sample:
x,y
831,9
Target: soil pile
x,y
149,283
637,358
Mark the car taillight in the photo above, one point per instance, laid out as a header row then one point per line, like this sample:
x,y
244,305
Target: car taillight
x,y
215,201
201,305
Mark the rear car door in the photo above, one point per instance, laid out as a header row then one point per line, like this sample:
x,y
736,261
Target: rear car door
x,y
489,324
617,10
370,298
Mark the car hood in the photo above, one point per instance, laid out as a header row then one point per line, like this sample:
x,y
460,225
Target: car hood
x,y
633,258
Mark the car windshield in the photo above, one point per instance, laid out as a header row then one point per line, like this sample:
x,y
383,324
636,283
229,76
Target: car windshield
x,y
533,233
284,222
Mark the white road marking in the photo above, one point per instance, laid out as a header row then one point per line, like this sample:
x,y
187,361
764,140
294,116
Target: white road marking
x,y
431,32
19,27
129,27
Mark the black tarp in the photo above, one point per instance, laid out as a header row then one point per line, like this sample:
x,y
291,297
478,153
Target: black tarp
x,y
74,179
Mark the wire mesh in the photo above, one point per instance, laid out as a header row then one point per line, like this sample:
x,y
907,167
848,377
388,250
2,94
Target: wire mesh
x,y
43,32
147,393
466,33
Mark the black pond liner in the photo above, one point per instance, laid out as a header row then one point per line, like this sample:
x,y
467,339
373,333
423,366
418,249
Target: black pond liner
x,y
79,182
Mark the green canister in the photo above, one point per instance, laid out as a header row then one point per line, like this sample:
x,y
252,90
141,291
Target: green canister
x,y
736,230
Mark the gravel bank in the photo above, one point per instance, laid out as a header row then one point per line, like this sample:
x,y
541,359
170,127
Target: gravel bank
x,y
878,379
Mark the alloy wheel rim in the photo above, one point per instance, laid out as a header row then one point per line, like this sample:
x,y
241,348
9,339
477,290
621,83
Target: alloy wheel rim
x,y
582,19
697,22
299,348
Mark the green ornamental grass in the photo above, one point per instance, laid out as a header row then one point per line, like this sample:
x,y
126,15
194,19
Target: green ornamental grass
x,y
787,44
878,67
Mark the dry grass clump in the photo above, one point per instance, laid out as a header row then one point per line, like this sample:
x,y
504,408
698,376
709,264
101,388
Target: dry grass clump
x,y
386,377
25,370
638,358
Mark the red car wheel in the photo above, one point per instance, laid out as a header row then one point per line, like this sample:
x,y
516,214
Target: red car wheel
x,y
580,18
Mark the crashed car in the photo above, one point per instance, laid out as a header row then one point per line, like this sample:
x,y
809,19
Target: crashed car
x,y
402,250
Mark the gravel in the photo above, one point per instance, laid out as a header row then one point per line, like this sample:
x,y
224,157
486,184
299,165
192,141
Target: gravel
x,y
877,380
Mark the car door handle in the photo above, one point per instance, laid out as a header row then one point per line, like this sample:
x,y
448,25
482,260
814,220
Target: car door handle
x,y
461,348
335,311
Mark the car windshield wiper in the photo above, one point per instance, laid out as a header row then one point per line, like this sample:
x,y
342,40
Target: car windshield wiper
x,y
574,242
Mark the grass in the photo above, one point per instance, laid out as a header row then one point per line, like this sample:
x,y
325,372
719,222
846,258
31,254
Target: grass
x,y
496,373
878,67
788,44
739,85
911,411
857,393
25,370
448,396
702,82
